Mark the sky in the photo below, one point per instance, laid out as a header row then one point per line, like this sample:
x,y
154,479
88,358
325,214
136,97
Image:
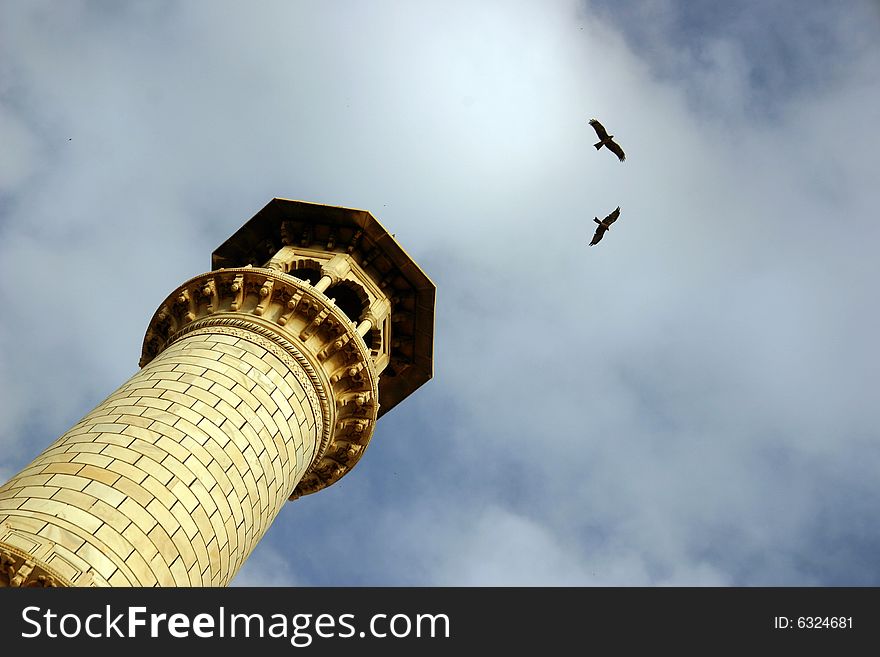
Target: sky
x,y
691,402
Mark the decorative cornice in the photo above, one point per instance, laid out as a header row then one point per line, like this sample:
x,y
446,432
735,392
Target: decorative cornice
x,y
19,569
313,337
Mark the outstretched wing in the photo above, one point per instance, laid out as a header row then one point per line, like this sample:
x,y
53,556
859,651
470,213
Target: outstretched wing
x,y
611,218
615,148
599,128
599,234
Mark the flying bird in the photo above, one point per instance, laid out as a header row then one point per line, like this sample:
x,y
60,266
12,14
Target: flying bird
x,y
606,140
603,226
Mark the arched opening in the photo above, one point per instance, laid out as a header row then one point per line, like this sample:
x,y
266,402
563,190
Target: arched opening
x,y
308,274
373,340
347,300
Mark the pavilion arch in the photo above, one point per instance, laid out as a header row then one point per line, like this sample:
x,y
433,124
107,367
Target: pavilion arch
x,y
350,298
306,269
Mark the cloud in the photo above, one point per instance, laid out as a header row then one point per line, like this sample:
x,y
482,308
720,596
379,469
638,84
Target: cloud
x,y
268,567
681,404
744,56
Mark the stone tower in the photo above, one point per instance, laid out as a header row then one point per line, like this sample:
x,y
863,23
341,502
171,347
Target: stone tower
x,y
260,381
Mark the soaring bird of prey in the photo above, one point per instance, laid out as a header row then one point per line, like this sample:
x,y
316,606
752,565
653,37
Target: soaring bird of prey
x,y
606,140
603,226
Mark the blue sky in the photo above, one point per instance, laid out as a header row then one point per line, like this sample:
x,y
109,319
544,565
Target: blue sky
x,y
691,402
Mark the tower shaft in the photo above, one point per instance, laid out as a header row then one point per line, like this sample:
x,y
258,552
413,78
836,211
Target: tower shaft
x,y
176,476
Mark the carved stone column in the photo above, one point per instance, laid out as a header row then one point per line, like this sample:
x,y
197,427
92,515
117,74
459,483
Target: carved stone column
x,y
256,387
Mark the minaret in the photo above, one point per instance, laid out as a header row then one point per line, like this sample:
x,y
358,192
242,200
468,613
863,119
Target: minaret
x,y
260,381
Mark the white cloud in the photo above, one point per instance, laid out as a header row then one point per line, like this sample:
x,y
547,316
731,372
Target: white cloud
x,y
657,409
267,567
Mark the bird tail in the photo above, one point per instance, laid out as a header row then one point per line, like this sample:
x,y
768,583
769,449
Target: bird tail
x,y
598,146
